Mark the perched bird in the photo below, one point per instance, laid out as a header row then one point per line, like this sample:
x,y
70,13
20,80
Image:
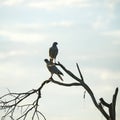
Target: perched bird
x,y
53,69
53,51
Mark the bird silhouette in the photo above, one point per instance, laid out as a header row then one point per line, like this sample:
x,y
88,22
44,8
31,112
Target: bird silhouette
x,y
53,69
53,51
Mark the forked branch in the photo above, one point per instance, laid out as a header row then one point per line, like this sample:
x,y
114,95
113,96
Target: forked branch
x,y
111,115
11,101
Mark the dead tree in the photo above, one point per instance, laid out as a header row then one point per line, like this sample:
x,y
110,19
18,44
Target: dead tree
x,y
111,115
12,101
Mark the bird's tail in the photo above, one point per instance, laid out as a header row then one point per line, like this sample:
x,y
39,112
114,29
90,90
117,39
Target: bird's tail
x,y
60,77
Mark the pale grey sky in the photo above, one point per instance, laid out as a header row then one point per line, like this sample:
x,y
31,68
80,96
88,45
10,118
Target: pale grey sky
x,y
87,32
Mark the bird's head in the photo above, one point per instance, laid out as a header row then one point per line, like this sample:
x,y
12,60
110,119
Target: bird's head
x,y
55,43
46,60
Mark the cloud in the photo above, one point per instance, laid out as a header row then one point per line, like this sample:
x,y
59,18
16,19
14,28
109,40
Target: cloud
x,y
54,4
65,24
36,26
103,88
62,24
28,33
22,37
12,53
49,5
22,27
115,33
112,3
104,74
11,2
100,23
9,72
104,20
108,74
116,42
29,26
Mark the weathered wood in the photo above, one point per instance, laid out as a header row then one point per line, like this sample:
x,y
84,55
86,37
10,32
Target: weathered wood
x,y
111,115
11,105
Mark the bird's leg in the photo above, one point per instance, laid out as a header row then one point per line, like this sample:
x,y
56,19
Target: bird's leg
x,y
55,60
51,60
51,76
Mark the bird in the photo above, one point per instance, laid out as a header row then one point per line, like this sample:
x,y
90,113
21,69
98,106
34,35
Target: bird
x,y
53,52
53,69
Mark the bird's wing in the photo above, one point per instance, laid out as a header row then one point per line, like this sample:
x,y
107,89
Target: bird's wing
x,y
53,51
60,77
53,69
50,51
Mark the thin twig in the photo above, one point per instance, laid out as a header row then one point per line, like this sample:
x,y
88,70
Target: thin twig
x,y
11,104
79,72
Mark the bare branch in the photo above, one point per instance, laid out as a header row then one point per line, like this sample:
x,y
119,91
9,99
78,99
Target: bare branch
x,y
15,99
103,111
79,72
104,103
69,72
66,84
84,94
11,101
87,88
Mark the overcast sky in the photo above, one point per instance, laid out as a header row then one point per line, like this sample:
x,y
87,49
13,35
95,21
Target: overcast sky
x,y
87,32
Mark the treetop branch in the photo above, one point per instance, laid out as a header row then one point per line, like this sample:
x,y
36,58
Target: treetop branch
x,y
69,72
11,101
